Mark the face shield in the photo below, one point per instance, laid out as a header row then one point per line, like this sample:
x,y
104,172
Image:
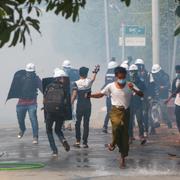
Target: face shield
x,y
141,67
157,76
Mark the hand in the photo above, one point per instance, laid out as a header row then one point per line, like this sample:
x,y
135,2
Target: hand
x,y
131,86
97,69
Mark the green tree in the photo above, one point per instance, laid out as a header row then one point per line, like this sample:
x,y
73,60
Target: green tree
x,y
17,16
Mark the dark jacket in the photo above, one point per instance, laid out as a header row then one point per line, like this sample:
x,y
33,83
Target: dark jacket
x,y
136,101
161,79
109,78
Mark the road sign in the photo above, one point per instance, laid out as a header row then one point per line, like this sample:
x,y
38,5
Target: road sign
x,y
134,35
134,30
132,41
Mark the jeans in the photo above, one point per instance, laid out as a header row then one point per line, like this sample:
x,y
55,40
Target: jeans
x,y
108,106
139,115
52,118
21,114
145,110
177,113
83,113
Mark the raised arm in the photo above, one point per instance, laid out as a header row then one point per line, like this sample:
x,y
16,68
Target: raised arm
x,y
96,70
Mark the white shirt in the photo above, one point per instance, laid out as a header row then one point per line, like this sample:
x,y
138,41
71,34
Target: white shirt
x,y
119,97
177,99
84,84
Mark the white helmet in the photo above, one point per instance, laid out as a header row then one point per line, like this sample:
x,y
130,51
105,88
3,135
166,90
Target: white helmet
x,y
156,68
125,62
139,61
133,67
112,64
124,65
59,73
66,64
30,67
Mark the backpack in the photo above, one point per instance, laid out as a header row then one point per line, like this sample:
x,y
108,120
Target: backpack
x,y
55,98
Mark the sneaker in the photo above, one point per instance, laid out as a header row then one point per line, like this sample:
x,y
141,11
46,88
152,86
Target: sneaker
x,y
54,154
143,141
35,141
20,135
104,131
85,146
145,134
66,146
77,145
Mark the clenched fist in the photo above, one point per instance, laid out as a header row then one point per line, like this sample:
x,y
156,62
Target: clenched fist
x,y
130,85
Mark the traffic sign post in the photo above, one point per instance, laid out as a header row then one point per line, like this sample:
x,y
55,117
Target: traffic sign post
x,y
134,36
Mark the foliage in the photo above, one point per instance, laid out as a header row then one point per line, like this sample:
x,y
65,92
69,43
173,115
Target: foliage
x,y
16,17
19,17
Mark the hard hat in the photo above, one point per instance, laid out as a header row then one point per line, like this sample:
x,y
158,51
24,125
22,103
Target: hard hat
x,y
125,62
59,73
156,68
139,61
66,63
133,67
30,67
124,65
112,64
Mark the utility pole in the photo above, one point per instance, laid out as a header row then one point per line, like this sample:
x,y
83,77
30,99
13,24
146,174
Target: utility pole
x,y
123,41
106,15
155,31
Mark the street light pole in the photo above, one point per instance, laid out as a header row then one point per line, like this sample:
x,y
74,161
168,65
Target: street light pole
x,y
107,30
155,31
123,42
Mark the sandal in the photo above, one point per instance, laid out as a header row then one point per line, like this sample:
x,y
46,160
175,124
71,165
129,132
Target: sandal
x,y
111,147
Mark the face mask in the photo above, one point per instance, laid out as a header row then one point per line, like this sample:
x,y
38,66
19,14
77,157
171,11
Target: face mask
x,y
121,81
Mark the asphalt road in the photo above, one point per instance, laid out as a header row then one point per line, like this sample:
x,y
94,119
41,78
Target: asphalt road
x,y
159,158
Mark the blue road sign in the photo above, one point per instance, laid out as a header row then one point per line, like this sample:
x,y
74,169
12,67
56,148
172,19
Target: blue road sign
x,y
135,30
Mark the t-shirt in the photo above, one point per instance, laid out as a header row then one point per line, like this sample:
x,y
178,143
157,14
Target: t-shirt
x,y
83,86
177,99
119,97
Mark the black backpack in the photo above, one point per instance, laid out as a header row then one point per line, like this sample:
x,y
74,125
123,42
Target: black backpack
x,y
55,98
